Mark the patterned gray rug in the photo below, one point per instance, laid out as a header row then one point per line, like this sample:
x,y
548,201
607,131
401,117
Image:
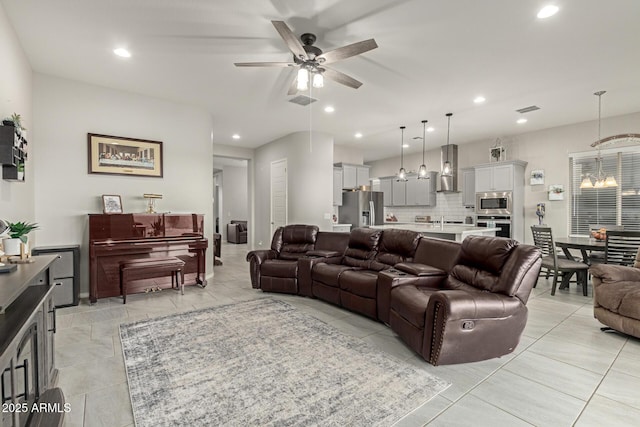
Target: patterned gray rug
x,y
263,363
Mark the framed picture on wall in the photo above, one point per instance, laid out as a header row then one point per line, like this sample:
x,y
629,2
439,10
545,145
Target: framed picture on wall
x,y
116,155
537,177
111,204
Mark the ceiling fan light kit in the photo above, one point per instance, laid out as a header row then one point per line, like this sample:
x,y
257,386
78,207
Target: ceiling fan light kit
x,y
311,60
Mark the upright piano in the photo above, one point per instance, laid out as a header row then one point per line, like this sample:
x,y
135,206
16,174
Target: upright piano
x,y
119,237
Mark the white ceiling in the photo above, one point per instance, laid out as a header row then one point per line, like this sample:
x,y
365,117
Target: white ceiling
x,y
434,57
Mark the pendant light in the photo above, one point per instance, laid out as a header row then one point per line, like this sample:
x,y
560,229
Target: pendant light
x,y
601,179
422,171
446,167
402,174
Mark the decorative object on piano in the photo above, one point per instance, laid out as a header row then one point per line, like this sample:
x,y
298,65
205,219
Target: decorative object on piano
x,y
111,204
117,155
151,201
18,241
497,153
556,192
537,177
540,211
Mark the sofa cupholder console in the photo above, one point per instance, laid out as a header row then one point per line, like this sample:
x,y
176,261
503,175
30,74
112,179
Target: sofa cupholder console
x,y
429,291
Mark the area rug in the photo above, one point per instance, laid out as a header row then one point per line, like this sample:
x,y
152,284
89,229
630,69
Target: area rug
x,y
264,363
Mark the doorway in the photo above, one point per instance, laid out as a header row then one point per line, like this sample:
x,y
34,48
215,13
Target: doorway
x,y
278,194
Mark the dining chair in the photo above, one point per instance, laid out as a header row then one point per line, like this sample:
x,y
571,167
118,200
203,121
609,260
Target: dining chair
x,y
543,238
598,257
621,247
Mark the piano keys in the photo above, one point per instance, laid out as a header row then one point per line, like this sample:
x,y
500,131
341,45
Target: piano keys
x,y
119,237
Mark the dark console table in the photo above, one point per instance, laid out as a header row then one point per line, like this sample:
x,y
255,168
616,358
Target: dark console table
x,y
27,329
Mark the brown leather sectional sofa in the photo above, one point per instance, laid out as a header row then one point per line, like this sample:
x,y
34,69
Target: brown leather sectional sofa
x,y
450,302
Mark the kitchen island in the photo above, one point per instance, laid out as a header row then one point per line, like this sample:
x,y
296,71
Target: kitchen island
x,y
456,232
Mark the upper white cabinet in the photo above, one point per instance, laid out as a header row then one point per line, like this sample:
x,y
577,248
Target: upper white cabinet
x,y
468,187
337,186
353,176
494,178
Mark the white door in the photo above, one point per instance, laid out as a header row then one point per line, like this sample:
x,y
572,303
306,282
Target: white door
x,y
278,194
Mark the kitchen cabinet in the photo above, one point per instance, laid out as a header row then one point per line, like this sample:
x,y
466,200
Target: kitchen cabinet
x,y
494,178
353,176
337,186
386,186
421,192
468,187
398,193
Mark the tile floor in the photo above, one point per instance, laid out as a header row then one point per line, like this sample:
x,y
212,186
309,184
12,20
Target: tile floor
x,y
564,372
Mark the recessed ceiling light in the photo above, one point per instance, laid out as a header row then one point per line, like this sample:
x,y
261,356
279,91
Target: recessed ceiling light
x,y
479,99
521,121
548,11
405,145
430,129
122,52
329,109
235,136
358,135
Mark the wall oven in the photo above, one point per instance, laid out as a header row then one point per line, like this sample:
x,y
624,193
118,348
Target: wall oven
x,y
498,203
497,221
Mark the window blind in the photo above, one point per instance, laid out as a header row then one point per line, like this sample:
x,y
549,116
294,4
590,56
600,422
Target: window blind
x,y
607,206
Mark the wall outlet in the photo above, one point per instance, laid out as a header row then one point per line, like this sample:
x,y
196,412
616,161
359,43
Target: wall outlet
x,y
327,216
260,243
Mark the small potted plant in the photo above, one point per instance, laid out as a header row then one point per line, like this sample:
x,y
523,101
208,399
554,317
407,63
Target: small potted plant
x,y
18,232
21,171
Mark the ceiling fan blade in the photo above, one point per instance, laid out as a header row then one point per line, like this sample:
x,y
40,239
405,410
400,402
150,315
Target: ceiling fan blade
x,y
348,51
264,64
341,78
290,39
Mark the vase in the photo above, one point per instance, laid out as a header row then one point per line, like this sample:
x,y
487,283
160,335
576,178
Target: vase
x,y
11,246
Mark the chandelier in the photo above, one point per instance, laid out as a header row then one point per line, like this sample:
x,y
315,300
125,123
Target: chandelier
x,y
600,179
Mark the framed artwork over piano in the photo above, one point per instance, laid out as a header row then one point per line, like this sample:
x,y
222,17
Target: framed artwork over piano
x,y
120,237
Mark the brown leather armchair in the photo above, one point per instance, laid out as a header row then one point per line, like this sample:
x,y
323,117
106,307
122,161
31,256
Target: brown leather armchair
x,y
276,269
478,312
616,297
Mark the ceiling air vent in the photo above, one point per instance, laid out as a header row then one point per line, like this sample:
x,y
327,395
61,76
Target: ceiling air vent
x,y
528,109
303,100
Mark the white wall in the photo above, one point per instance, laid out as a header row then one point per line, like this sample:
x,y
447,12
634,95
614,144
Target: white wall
x,y
16,81
309,180
342,154
234,196
547,149
65,111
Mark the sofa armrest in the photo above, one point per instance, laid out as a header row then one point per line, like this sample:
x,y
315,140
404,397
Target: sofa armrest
x,y
419,269
463,326
255,259
306,265
323,254
607,273
392,278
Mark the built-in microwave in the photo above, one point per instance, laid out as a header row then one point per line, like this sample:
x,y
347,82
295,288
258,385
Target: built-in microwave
x,y
498,203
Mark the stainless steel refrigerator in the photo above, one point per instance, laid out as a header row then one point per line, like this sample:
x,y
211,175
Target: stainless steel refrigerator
x,y
361,208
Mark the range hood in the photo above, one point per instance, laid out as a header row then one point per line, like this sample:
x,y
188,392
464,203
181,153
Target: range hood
x,y
449,184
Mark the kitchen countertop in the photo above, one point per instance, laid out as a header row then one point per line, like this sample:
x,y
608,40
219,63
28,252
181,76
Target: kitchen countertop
x,y
455,232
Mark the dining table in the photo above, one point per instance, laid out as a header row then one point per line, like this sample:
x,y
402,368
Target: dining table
x,y
582,243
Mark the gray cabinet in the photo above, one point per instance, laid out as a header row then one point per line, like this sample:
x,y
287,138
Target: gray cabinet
x,y
398,193
337,186
353,176
468,187
421,192
66,273
386,186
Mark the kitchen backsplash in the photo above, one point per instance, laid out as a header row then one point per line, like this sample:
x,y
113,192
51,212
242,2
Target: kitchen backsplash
x,y
448,205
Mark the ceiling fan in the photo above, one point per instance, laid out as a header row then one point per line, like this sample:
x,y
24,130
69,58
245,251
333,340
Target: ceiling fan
x,y
311,61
